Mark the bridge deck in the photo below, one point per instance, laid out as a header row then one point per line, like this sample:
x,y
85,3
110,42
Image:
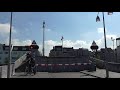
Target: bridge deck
x,y
99,73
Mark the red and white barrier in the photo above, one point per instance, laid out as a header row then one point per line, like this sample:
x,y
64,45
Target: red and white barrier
x,y
85,64
63,64
49,64
72,64
66,64
43,65
89,63
79,64
60,64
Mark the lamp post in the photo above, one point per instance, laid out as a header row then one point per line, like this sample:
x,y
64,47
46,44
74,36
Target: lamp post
x,y
115,52
43,38
113,42
97,20
9,63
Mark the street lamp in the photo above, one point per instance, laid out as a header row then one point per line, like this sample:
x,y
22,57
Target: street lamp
x,y
9,63
43,38
114,51
97,20
113,42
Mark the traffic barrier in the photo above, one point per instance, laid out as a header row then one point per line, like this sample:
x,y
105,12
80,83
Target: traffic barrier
x,y
79,64
72,64
85,63
49,64
60,64
74,67
43,65
66,64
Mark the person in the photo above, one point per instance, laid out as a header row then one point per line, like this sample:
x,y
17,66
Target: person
x,y
28,55
30,63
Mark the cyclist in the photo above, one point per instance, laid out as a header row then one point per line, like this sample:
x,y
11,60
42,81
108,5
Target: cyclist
x,y
30,63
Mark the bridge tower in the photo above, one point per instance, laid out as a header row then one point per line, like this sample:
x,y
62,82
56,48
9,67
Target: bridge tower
x,y
34,49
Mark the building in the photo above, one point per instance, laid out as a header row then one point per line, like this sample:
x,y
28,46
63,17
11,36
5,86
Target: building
x,y
117,50
59,51
4,52
17,52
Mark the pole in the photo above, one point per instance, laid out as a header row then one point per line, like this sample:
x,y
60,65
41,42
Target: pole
x,y
62,43
43,36
116,50
9,63
113,44
106,63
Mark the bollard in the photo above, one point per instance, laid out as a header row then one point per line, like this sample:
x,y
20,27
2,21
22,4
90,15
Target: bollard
x,y
13,70
0,72
0,75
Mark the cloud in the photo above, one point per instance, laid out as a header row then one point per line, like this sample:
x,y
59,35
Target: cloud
x,y
17,42
109,36
22,43
101,30
101,44
5,28
67,43
76,44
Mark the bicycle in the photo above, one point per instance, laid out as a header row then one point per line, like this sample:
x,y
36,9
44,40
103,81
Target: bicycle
x,y
29,70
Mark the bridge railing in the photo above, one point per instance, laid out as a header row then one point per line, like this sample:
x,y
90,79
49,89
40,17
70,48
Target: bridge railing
x,y
112,66
18,62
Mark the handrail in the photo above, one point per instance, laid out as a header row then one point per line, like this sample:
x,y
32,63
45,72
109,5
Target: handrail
x,y
104,61
19,61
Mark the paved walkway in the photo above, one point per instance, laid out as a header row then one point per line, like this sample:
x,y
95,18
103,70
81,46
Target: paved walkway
x,y
102,73
99,73
53,75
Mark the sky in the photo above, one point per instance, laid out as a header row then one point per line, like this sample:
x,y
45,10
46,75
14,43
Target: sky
x,y
79,29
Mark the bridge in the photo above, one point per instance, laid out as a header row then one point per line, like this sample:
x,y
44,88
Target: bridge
x,y
99,73
48,69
